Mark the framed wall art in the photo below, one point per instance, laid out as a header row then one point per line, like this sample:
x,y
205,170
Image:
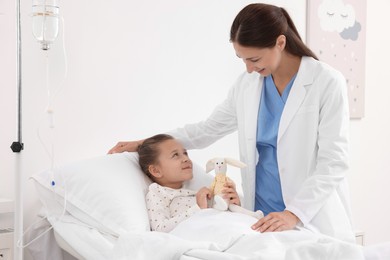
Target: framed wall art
x,y
336,32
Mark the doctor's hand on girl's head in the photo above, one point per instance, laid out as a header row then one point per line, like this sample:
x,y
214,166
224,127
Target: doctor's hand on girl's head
x,y
120,147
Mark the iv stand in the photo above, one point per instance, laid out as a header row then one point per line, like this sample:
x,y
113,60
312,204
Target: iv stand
x,y
18,146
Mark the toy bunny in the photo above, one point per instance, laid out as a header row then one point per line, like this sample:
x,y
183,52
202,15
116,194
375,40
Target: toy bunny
x,y
220,167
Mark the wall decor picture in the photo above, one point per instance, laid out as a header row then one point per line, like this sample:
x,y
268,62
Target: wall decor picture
x,y
336,32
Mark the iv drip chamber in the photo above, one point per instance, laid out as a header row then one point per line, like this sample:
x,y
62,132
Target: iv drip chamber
x,y
45,22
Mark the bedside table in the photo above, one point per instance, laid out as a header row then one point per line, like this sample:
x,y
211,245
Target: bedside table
x,y
359,235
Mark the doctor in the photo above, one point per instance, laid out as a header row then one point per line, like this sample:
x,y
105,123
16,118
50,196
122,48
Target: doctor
x,y
291,114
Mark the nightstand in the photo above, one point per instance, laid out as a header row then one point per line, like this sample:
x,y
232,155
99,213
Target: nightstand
x,y
359,235
6,229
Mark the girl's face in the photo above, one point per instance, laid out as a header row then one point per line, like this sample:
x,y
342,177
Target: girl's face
x,y
173,167
264,61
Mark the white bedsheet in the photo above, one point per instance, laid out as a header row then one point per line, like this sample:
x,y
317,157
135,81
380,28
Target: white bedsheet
x,y
211,234
85,240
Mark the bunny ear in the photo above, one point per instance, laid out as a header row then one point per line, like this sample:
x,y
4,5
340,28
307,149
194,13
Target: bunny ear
x,y
210,165
235,163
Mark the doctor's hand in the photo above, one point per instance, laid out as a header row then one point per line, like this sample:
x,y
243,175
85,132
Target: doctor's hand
x,y
121,147
230,193
276,221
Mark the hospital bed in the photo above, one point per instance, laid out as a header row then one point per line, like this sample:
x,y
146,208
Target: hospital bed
x,y
96,210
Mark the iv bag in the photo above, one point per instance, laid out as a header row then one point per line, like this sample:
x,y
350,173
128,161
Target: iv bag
x,y
45,21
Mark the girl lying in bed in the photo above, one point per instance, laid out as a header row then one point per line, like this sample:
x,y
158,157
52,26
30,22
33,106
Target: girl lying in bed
x,y
164,160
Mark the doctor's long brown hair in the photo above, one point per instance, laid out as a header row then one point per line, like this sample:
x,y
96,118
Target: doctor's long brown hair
x,y
259,25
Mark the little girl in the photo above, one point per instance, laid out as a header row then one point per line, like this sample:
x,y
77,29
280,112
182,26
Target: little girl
x,y
164,160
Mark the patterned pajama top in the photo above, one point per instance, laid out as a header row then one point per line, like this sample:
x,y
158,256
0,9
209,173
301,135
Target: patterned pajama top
x,y
168,207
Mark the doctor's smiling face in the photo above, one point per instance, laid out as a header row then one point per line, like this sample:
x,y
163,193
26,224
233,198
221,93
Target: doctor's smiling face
x,y
264,61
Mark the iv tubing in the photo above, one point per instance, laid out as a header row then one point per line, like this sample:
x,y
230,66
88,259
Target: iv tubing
x,y
19,244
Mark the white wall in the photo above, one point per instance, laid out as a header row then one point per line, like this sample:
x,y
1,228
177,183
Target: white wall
x,y
137,68
370,167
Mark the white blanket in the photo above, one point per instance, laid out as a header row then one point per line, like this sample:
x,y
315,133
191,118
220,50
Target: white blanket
x,y
212,234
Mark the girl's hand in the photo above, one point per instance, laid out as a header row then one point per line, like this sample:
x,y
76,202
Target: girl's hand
x,y
230,193
276,221
202,196
125,147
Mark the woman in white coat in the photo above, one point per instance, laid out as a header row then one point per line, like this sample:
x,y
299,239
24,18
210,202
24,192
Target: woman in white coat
x,y
291,114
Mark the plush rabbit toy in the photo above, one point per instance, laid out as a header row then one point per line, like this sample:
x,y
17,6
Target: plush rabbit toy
x,y
220,167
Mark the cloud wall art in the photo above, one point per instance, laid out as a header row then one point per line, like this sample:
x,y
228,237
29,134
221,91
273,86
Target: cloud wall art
x,y
336,32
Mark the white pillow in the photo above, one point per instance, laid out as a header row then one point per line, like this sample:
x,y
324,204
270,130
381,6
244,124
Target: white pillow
x,y
106,192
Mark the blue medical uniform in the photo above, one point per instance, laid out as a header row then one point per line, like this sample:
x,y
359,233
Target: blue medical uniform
x,y
268,189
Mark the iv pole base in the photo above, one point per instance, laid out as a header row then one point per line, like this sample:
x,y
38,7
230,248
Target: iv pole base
x,y
17,147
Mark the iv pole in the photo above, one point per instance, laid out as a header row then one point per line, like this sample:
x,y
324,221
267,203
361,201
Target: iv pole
x,y
18,146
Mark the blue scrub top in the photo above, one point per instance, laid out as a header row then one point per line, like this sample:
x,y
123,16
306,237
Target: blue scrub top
x,y
268,190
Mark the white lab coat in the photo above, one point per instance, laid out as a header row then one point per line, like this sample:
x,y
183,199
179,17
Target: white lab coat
x,y
312,148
